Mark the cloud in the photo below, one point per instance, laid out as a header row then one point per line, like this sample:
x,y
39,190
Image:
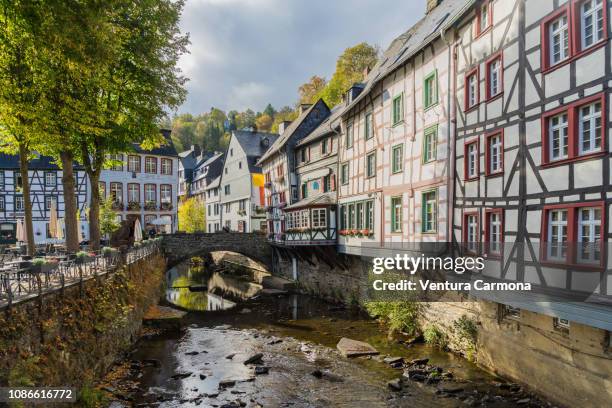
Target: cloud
x,y
246,53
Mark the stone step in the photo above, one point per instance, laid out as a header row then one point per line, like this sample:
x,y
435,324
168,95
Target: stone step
x,y
275,282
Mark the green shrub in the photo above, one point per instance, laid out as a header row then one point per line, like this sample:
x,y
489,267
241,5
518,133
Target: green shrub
x,y
91,397
108,250
466,331
82,254
434,336
39,261
398,316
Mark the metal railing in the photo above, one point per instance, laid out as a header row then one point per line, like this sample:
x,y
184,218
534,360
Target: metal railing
x,y
19,284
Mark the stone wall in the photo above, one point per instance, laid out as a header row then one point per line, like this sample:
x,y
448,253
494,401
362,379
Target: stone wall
x,y
181,246
572,368
71,337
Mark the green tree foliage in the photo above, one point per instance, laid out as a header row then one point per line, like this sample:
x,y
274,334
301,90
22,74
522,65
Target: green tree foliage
x,y
270,111
264,123
191,216
310,91
108,217
349,70
285,114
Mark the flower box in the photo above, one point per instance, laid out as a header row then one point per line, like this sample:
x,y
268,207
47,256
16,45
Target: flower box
x,y
166,206
133,206
150,206
117,206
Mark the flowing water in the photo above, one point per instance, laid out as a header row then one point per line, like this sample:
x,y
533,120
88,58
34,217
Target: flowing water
x,y
297,335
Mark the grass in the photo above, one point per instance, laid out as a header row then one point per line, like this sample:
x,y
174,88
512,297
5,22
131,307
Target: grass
x,y
399,316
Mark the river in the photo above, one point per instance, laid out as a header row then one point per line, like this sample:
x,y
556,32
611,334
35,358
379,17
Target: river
x,y
231,321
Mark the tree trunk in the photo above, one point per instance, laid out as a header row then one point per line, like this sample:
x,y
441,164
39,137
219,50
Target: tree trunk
x,y
94,211
27,203
70,202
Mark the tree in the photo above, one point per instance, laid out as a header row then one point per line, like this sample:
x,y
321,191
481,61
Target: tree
x,y
20,95
191,216
285,114
310,91
349,70
108,217
264,123
270,111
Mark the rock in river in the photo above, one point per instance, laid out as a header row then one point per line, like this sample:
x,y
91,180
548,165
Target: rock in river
x,y
395,385
355,348
255,358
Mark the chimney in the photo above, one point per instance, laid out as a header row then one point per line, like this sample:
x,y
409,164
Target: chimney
x,y
283,126
304,107
195,150
432,4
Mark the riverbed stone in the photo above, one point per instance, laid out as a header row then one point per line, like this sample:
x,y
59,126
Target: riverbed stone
x,y
226,383
354,348
254,359
393,360
259,370
395,385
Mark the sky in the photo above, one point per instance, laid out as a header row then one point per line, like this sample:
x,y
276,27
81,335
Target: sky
x,y
248,53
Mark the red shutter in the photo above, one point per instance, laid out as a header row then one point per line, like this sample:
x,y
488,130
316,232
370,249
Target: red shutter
x,y
332,182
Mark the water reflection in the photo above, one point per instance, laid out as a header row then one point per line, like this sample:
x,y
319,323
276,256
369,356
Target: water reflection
x,y
195,288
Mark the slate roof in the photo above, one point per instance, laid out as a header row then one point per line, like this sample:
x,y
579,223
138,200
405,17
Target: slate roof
x,y
321,199
254,145
11,161
415,39
166,149
325,127
284,138
208,160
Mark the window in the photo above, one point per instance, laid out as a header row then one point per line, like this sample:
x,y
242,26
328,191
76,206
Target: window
x,y
242,205
165,194
591,22
1,180
118,162
102,189
471,160
349,135
319,218
430,141
303,155
150,193
228,207
398,109
578,223
472,89
511,312
430,211
369,214
484,17
239,164
471,232
327,185
495,77
116,192
397,158
351,216
359,213
19,205
166,167
2,204
50,179
571,30
49,200
133,193
371,164
227,189
344,174
231,152
304,190
575,131
430,86
324,146
494,231
343,217
151,165
589,128
396,214
216,209
368,130
18,181
134,164
494,154
561,324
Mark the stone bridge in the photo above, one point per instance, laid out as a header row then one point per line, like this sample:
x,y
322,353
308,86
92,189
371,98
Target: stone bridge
x,y
180,246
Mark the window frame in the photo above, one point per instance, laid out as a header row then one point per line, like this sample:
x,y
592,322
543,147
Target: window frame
x,y
367,164
148,160
499,56
466,232
575,48
487,232
2,203
424,212
426,91
466,160
573,136
154,192
570,260
429,131
400,119
474,72
137,192
488,156
368,126
344,181
161,166
51,173
120,189
394,219
395,148
478,31
161,188
350,136
139,167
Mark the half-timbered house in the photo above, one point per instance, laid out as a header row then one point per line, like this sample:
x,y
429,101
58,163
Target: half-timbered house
x,y
46,188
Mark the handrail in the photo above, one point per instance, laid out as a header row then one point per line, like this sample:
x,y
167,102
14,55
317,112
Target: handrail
x,y
17,285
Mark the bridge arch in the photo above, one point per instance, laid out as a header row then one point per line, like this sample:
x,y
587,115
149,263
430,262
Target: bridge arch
x,y
181,246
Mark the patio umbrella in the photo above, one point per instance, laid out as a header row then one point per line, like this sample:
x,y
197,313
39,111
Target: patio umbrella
x,y
21,235
137,231
53,220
